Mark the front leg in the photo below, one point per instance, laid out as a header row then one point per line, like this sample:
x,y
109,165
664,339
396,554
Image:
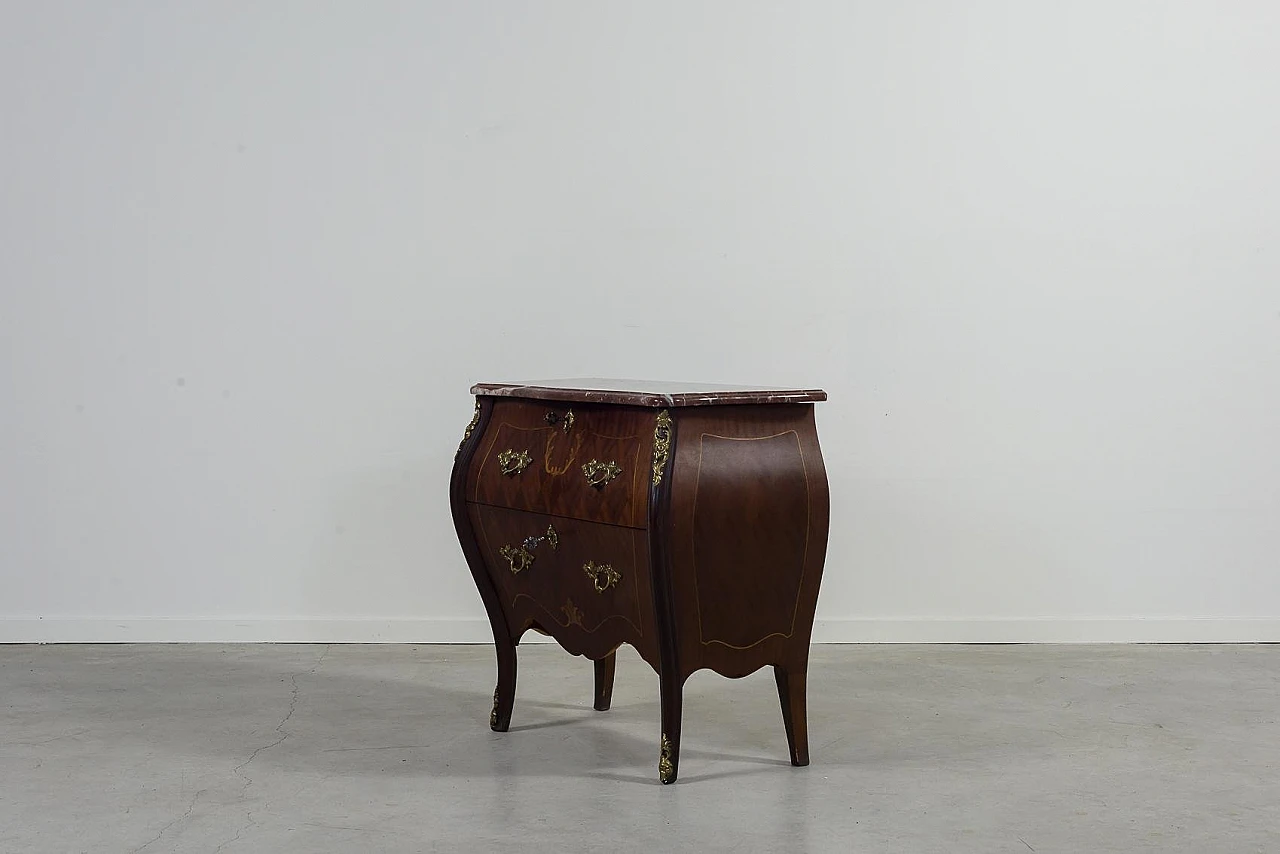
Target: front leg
x,y
791,692
669,750
504,696
604,681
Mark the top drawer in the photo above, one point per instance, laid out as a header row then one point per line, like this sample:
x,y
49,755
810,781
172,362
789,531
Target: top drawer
x,y
585,462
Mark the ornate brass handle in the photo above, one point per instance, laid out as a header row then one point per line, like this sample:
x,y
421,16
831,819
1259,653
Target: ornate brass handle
x,y
521,558
598,473
511,462
602,575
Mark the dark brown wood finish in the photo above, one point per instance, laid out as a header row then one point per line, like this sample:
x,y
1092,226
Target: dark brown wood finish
x,y
504,644
750,513
670,678
604,681
555,593
718,563
554,481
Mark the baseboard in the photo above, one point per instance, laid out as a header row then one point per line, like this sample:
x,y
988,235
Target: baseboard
x,y
473,630
250,630
1049,630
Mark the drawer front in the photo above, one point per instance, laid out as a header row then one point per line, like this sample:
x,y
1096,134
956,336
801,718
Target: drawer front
x,y
585,583
582,462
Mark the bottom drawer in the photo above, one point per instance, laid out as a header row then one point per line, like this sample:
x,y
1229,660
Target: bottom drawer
x,y
565,574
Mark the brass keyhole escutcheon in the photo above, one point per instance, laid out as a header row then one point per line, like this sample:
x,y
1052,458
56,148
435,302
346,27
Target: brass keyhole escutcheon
x,y
565,421
602,575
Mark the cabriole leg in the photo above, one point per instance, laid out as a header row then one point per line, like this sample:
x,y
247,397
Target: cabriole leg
x,y
504,696
791,693
604,681
669,750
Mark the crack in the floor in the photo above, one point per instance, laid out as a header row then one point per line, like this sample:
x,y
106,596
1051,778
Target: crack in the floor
x,y
45,741
323,656
279,728
190,807
249,823
354,829
379,747
293,705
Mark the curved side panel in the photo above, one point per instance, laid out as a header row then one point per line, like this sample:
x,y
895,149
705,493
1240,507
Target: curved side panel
x,y
733,534
504,645
749,518
462,520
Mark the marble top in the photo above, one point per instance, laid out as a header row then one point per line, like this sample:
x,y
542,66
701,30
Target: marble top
x,y
647,392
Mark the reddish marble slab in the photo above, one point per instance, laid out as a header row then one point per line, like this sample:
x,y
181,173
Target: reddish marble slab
x,y
647,392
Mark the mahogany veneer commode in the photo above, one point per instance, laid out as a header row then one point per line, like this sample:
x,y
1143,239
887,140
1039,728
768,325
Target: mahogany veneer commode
x,y
689,521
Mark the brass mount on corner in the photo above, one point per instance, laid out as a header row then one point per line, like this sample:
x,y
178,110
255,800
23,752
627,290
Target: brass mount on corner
x,y
666,768
661,445
466,434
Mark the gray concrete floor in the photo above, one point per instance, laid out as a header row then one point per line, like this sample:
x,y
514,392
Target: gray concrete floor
x,y
387,749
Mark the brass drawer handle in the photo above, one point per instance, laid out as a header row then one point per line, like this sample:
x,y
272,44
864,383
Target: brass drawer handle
x,y
521,558
602,575
512,462
598,473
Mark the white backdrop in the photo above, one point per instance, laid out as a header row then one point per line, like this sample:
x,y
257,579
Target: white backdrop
x,y
252,255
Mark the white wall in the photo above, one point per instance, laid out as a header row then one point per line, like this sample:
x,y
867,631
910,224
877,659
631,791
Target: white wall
x,y
252,255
